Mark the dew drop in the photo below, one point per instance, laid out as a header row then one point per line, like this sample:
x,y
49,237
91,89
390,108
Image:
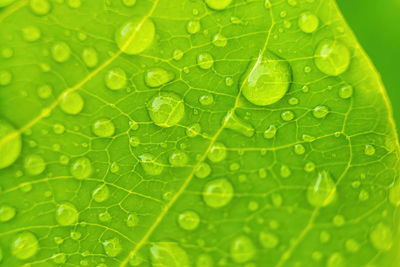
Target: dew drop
x,y
394,195
101,193
218,193
205,61
135,35
322,190
332,57
188,220
90,57
218,4
66,214
24,245
177,54
228,81
285,171
105,216
31,33
193,26
381,237
352,245
242,249
369,150
308,22
203,170
10,144
40,7
267,80
75,235
193,130
346,91
219,40
320,112
168,254
287,115
155,77
34,164
149,164
7,213
59,258
112,247
7,52
178,159
206,100
72,103
335,260
103,128
61,52
115,79
166,109
129,3
132,220
44,91
268,240
74,3
134,141
81,168
5,77
58,128
233,122
339,220
299,149
270,132
217,152
135,260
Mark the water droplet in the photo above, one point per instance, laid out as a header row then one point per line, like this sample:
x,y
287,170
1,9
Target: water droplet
x,y
394,195
320,112
268,240
335,260
177,54
206,100
135,35
31,33
75,235
352,245
218,193
114,168
292,2
135,260
129,3
193,26
58,128
24,245
134,141
205,61
155,77
332,57
7,213
5,78
74,3
90,57
10,144
363,196
40,7
346,91
7,52
287,115
66,214
219,40
339,220
299,149
381,237
59,258
228,81
115,79
178,159
105,216
217,152
193,130
204,260
308,22
166,109
218,4
34,164
233,122
61,52
188,220
101,193
285,171
369,150
149,164
168,254
203,170
112,247
72,103
103,128
267,80
324,237
242,249
322,190
81,168
44,91
270,132
132,220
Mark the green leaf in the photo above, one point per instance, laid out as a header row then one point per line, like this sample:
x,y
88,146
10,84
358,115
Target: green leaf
x,y
192,133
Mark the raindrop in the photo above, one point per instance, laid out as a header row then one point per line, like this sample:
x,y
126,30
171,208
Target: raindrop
x,y
218,193
115,79
149,164
332,57
103,128
66,214
24,245
217,152
242,249
287,115
166,109
34,164
7,213
155,77
101,193
270,132
346,91
205,61
81,168
381,237
219,40
10,144
188,220
268,240
308,22
168,254
206,100
233,122
40,7
322,190
203,170
218,4
112,247
90,57
320,112
193,26
61,52
72,103
31,33
178,159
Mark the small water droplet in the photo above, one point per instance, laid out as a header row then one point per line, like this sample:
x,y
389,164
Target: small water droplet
x,y
204,260
332,57
218,193
381,237
74,3
177,54
112,247
168,254
44,91
40,7
114,168
31,33
81,168
178,159
66,214
205,61
61,52
150,165
268,240
115,79
90,57
132,220
24,245
394,195
218,4
7,213
270,132
285,171
217,152
299,149
129,3
352,245
369,150
219,40
101,193
242,249
346,91
10,144
206,100
193,26
322,190
155,77
193,130
335,260
320,112
34,164
58,128
166,109
233,122
105,216
135,260
203,170
339,220
188,220
72,103
59,258
75,235
103,128
308,22
134,141
5,77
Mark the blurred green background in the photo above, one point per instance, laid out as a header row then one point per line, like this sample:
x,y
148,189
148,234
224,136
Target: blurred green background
x,y
376,23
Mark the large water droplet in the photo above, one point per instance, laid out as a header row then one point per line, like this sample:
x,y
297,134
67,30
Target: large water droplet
x,y
115,79
168,254
150,165
10,144
81,168
7,213
135,35
61,52
112,247
72,103
24,245
40,7
218,193
308,22
218,4
66,214
103,128
156,77
322,190
242,249
267,80
188,220
233,122
166,109
101,193
381,237
332,57
34,164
